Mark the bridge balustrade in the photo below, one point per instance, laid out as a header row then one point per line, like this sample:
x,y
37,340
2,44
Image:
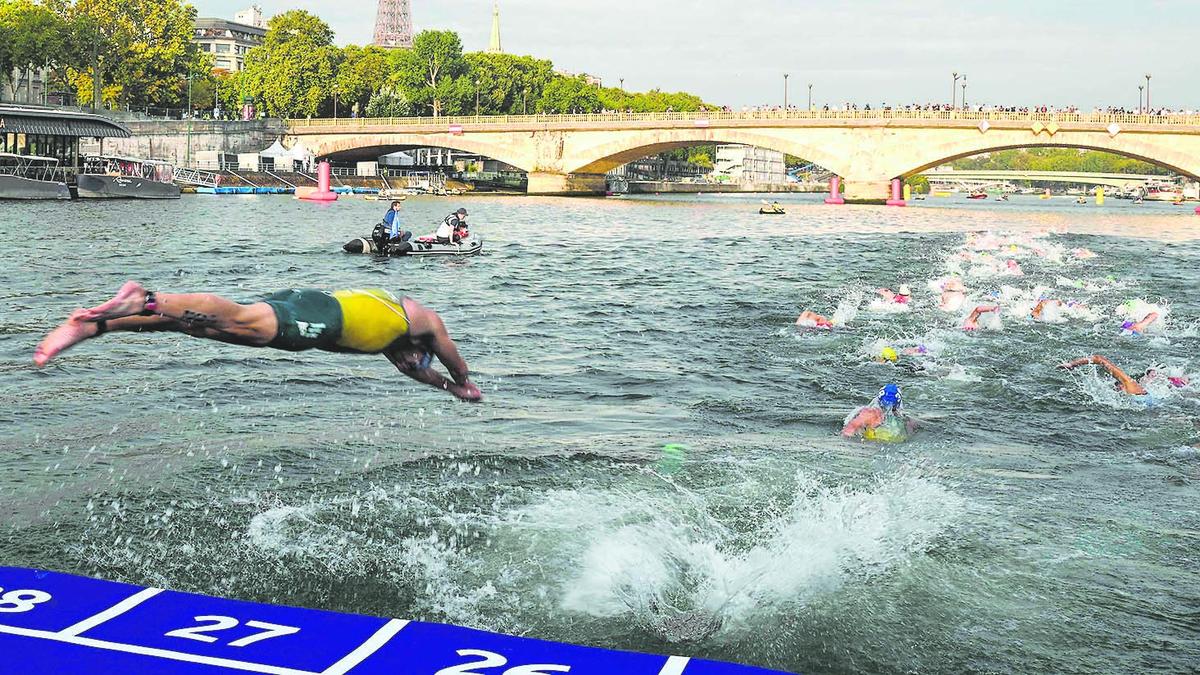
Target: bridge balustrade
x,y
760,115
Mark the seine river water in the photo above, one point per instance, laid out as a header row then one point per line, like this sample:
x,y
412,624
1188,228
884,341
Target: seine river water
x,y
1039,522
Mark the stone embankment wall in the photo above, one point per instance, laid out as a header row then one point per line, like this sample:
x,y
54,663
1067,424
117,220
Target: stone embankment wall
x,y
169,139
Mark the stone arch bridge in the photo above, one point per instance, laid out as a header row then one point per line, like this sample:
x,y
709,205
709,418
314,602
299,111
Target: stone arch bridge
x,y
569,154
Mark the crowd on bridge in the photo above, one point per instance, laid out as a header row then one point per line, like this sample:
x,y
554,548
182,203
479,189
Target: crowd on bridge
x,y
946,107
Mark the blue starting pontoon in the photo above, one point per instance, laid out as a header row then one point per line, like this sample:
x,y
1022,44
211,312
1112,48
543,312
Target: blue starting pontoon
x,y
69,625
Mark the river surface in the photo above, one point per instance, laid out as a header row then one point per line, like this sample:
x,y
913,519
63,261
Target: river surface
x,y
1038,522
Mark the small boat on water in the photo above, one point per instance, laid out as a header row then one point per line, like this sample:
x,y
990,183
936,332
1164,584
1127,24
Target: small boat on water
x,y
112,177
420,247
1081,200
1002,198
31,177
978,194
771,209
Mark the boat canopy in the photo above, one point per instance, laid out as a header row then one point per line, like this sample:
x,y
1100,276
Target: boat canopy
x,y
23,119
34,158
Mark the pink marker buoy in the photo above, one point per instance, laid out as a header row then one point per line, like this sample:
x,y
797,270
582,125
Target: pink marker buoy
x,y
835,191
897,194
321,193
1198,210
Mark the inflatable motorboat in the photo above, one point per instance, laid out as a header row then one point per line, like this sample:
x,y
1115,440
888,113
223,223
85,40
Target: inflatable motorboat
x,y
771,212
424,246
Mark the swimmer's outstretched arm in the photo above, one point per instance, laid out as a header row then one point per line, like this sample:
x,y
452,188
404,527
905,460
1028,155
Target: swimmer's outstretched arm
x,y
867,417
1140,326
1127,383
425,326
973,320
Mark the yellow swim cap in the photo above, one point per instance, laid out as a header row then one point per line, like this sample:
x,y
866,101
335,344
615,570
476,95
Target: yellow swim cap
x,y
889,354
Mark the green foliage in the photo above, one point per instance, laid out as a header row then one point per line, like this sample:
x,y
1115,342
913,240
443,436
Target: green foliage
x,y
362,72
1057,159
292,74
139,48
35,36
652,101
389,104
920,184
509,84
569,95
431,71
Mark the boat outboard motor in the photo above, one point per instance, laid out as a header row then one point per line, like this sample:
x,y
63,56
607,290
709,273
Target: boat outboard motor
x,y
380,236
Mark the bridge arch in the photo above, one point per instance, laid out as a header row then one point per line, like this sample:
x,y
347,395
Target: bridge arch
x,y
602,157
387,143
1159,154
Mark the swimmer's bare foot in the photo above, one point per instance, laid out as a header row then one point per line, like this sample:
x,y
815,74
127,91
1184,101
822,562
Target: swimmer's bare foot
x,y
72,331
128,301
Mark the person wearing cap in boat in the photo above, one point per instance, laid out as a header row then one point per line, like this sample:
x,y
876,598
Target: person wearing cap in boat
x,y
901,296
453,228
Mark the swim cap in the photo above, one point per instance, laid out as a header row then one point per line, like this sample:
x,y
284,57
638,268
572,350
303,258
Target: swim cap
x,y
904,290
889,354
889,397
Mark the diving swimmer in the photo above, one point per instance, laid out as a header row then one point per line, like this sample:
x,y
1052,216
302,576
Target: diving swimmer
x,y
360,321
882,420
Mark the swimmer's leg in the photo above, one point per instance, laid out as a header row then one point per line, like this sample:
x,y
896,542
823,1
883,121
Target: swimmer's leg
x,y
199,314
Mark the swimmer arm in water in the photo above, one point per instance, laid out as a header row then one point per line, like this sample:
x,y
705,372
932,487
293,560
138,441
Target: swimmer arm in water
x,y
1037,310
1127,383
867,418
428,335
972,322
1139,327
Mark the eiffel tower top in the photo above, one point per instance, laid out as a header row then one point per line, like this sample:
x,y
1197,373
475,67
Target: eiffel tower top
x,y
393,24
494,44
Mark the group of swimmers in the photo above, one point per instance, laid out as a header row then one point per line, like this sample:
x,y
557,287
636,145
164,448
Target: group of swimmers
x,y
991,255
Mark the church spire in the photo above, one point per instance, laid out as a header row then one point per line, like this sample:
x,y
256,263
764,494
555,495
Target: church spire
x,y
494,45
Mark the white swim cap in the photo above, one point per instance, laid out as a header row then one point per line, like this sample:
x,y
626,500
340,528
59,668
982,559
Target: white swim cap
x,y
904,290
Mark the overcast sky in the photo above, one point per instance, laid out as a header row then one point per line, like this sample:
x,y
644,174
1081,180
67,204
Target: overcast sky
x,y
734,52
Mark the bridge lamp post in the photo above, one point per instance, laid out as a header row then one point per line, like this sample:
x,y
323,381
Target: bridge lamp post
x,y
1147,93
335,101
964,86
1141,108
785,78
477,97
524,93
622,83
954,92
810,96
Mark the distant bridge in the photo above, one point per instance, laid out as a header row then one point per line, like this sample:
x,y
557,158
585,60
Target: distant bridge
x,y
565,154
1123,181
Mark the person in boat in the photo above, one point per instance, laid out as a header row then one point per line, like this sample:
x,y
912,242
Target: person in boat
x,y
391,220
1134,328
1135,388
359,321
972,322
882,420
447,232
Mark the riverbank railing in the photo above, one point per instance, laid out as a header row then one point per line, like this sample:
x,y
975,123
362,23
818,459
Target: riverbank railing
x,y
704,117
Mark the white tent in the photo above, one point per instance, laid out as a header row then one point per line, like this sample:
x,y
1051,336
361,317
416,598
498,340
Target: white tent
x,y
276,151
302,154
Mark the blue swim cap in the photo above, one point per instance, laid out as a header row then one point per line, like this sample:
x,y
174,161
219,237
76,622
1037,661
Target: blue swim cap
x,y
889,397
